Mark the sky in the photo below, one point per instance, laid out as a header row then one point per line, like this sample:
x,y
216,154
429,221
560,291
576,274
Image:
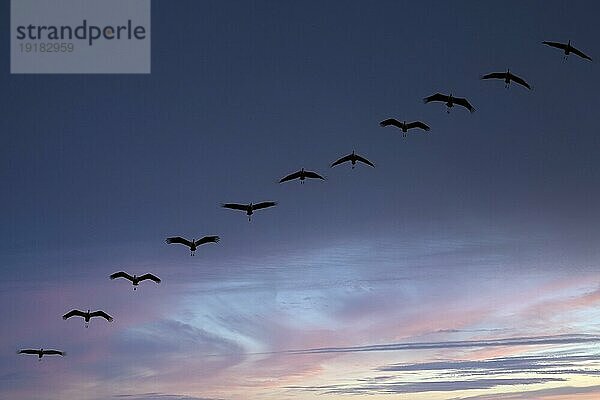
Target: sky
x,y
465,265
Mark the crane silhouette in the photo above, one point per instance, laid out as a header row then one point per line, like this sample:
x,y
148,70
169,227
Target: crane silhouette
x,y
302,175
404,126
249,208
41,352
508,77
87,315
353,158
135,280
568,49
450,101
193,244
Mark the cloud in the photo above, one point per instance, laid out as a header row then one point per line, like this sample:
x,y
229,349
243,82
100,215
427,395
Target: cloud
x,y
160,396
471,330
567,391
457,375
506,365
550,308
516,341
420,387
170,335
175,344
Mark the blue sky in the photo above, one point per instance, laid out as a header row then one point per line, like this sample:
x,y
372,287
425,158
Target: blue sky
x,y
483,229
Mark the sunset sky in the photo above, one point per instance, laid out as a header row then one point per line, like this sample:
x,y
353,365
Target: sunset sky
x,y
465,265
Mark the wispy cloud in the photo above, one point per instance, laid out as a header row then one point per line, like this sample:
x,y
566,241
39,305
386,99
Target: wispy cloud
x,y
176,345
457,375
160,396
564,392
550,364
515,341
397,387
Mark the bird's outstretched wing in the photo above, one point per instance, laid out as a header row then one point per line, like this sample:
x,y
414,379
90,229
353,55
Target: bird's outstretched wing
x,y
295,175
342,160
235,206
314,175
580,53
436,97
121,274
207,239
392,122
364,160
73,313
495,75
28,351
264,204
54,352
101,314
465,103
149,276
561,46
418,124
179,240
519,80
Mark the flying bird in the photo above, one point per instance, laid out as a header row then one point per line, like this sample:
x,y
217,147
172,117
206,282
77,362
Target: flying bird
x,y
450,101
403,125
41,352
353,158
249,208
135,280
568,49
508,77
302,175
87,315
193,245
